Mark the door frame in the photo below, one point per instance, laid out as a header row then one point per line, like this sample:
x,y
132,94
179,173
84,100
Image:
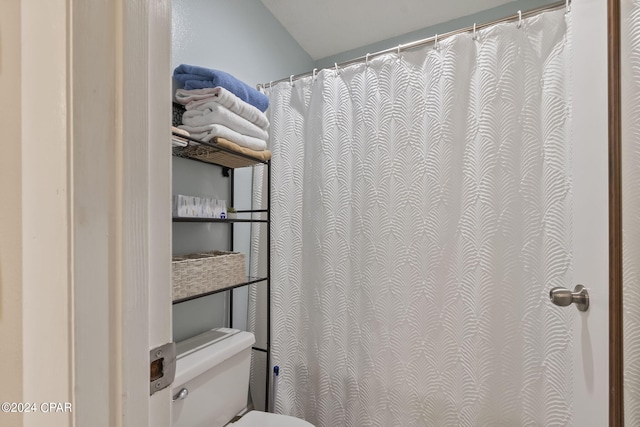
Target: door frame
x,y
119,171
616,368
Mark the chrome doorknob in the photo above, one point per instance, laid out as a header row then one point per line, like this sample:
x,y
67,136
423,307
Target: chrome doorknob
x,y
182,394
564,297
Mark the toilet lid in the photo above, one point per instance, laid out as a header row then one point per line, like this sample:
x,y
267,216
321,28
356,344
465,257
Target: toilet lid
x,y
265,419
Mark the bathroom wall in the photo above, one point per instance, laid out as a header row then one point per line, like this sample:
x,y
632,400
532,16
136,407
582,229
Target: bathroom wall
x,y
244,39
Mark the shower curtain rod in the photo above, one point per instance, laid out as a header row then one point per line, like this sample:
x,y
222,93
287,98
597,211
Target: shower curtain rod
x,y
412,45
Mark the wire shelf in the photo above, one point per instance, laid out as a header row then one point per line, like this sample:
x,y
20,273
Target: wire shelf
x,y
214,152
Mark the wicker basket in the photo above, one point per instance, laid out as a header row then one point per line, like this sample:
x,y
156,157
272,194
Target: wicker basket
x,y
200,273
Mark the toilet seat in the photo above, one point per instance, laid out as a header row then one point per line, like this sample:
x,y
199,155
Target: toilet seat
x,y
266,419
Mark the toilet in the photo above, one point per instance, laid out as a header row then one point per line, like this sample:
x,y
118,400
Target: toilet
x,y
212,383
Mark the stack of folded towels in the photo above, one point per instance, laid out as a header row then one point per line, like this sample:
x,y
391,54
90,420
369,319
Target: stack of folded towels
x,y
220,106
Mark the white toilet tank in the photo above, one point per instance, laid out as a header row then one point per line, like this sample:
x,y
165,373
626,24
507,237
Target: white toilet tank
x,y
214,369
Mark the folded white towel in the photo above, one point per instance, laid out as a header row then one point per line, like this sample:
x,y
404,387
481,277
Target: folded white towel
x,y
217,114
208,132
196,98
178,142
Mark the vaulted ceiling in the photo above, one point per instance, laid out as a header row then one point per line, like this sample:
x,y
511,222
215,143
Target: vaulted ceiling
x,y
328,27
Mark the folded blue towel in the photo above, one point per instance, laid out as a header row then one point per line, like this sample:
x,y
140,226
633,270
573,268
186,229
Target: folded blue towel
x,y
194,77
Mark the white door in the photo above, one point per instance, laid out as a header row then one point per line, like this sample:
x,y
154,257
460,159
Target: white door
x,y
590,212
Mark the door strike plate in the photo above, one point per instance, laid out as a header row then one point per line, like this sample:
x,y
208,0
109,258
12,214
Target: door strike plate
x,y
162,367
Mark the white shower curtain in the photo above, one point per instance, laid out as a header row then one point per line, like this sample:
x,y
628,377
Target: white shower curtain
x,y
421,213
630,72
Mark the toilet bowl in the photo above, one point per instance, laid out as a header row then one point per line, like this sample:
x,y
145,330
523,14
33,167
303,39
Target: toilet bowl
x,y
265,419
212,383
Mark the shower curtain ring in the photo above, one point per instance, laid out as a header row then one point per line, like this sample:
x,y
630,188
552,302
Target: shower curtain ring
x,y
291,79
435,42
475,35
366,59
313,75
519,19
271,84
568,5
336,65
